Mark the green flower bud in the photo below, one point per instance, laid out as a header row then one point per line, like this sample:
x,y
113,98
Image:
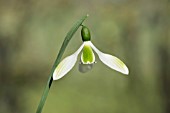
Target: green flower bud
x,y
85,34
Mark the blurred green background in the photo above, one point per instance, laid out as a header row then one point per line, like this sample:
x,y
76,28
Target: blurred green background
x,y
137,32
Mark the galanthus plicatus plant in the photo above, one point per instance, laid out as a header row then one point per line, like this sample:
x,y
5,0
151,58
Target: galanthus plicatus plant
x,y
88,57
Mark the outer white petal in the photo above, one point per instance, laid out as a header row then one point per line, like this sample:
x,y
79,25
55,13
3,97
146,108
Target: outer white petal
x,y
66,65
111,61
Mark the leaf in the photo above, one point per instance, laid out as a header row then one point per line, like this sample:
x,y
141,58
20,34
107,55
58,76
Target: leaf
x,y
62,49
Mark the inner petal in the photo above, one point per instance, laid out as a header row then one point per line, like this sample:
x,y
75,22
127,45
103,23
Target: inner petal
x,y
87,56
85,67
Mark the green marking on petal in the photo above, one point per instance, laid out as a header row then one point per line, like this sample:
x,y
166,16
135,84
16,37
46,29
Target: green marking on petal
x,y
87,56
121,64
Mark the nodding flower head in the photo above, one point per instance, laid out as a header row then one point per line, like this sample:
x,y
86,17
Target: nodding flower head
x,y
88,58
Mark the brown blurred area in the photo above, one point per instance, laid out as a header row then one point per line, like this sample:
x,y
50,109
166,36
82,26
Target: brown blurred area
x,y
136,31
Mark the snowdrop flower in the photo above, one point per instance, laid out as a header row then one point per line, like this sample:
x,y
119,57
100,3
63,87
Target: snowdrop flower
x,y
88,58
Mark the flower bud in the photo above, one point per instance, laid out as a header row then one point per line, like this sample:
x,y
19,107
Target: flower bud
x,y
85,34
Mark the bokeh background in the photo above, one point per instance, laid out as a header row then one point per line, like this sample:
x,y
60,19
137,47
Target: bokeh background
x,y
136,31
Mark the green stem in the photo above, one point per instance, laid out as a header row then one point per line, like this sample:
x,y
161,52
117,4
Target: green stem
x,y
57,61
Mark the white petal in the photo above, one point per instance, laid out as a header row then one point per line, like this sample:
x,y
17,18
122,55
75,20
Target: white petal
x,y
111,61
66,65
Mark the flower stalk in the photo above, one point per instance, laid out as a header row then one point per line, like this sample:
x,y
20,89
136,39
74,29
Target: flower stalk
x,y
57,61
